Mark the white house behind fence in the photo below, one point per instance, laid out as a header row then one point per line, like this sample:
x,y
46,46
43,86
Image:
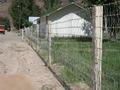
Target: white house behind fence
x,y
70,20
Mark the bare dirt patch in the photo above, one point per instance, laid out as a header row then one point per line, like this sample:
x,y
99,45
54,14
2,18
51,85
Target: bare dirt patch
x,y
1,51
18,47
14,82
18,57
3,69
48,87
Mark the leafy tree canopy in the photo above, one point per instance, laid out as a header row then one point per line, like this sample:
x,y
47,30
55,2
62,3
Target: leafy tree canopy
x,y
51,5
20,11
96,2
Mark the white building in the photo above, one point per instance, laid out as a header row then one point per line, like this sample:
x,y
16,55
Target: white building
x,y
70,20
33,19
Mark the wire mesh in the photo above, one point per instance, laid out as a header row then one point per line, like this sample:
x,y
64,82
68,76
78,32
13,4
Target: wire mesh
x,y
72,46
43,41
37,40
111,47
72,49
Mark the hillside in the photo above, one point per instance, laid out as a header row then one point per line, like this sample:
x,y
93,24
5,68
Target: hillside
x,y
4,7
40,3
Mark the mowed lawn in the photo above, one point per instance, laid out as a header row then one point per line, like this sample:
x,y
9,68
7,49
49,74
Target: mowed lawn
x,y
76,56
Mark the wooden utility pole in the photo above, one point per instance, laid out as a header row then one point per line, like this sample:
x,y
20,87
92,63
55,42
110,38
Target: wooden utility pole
x,y
97,40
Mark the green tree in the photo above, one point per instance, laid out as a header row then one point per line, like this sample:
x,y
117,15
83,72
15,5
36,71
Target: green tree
x,y
36,11
51,5
95,2
109,9
72,0
20,10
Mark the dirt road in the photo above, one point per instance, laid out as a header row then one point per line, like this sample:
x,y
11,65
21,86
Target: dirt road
x,y
21,68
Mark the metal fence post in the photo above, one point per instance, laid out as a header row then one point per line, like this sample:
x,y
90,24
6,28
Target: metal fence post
x,y
31,36
97,40
37,38
28,34
49,43
22,33
25,33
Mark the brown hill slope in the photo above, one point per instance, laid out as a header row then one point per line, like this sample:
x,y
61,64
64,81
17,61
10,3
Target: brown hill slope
x,y
4,8
40,3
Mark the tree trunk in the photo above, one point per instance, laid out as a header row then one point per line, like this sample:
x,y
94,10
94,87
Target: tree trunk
x,y
113,35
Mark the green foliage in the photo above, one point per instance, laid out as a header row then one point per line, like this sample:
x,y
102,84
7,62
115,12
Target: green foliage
x,y
5,21
36,11
71,0
20,11
51,5
96,2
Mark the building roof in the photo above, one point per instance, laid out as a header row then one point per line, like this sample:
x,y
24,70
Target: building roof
x,y
72,9
61,8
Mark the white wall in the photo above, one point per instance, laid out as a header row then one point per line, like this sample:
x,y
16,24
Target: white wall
x,y
70,25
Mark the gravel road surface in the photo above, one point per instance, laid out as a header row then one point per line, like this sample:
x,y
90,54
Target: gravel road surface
x,y
21,68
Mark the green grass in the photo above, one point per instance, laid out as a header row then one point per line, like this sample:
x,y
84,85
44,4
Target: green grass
x,y
76,56
111,65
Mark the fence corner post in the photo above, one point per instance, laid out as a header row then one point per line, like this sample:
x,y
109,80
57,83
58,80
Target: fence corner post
x,y
97,42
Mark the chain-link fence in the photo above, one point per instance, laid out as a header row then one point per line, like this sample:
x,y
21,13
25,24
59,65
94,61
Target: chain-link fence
x,y
72,49
82,46
111,47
